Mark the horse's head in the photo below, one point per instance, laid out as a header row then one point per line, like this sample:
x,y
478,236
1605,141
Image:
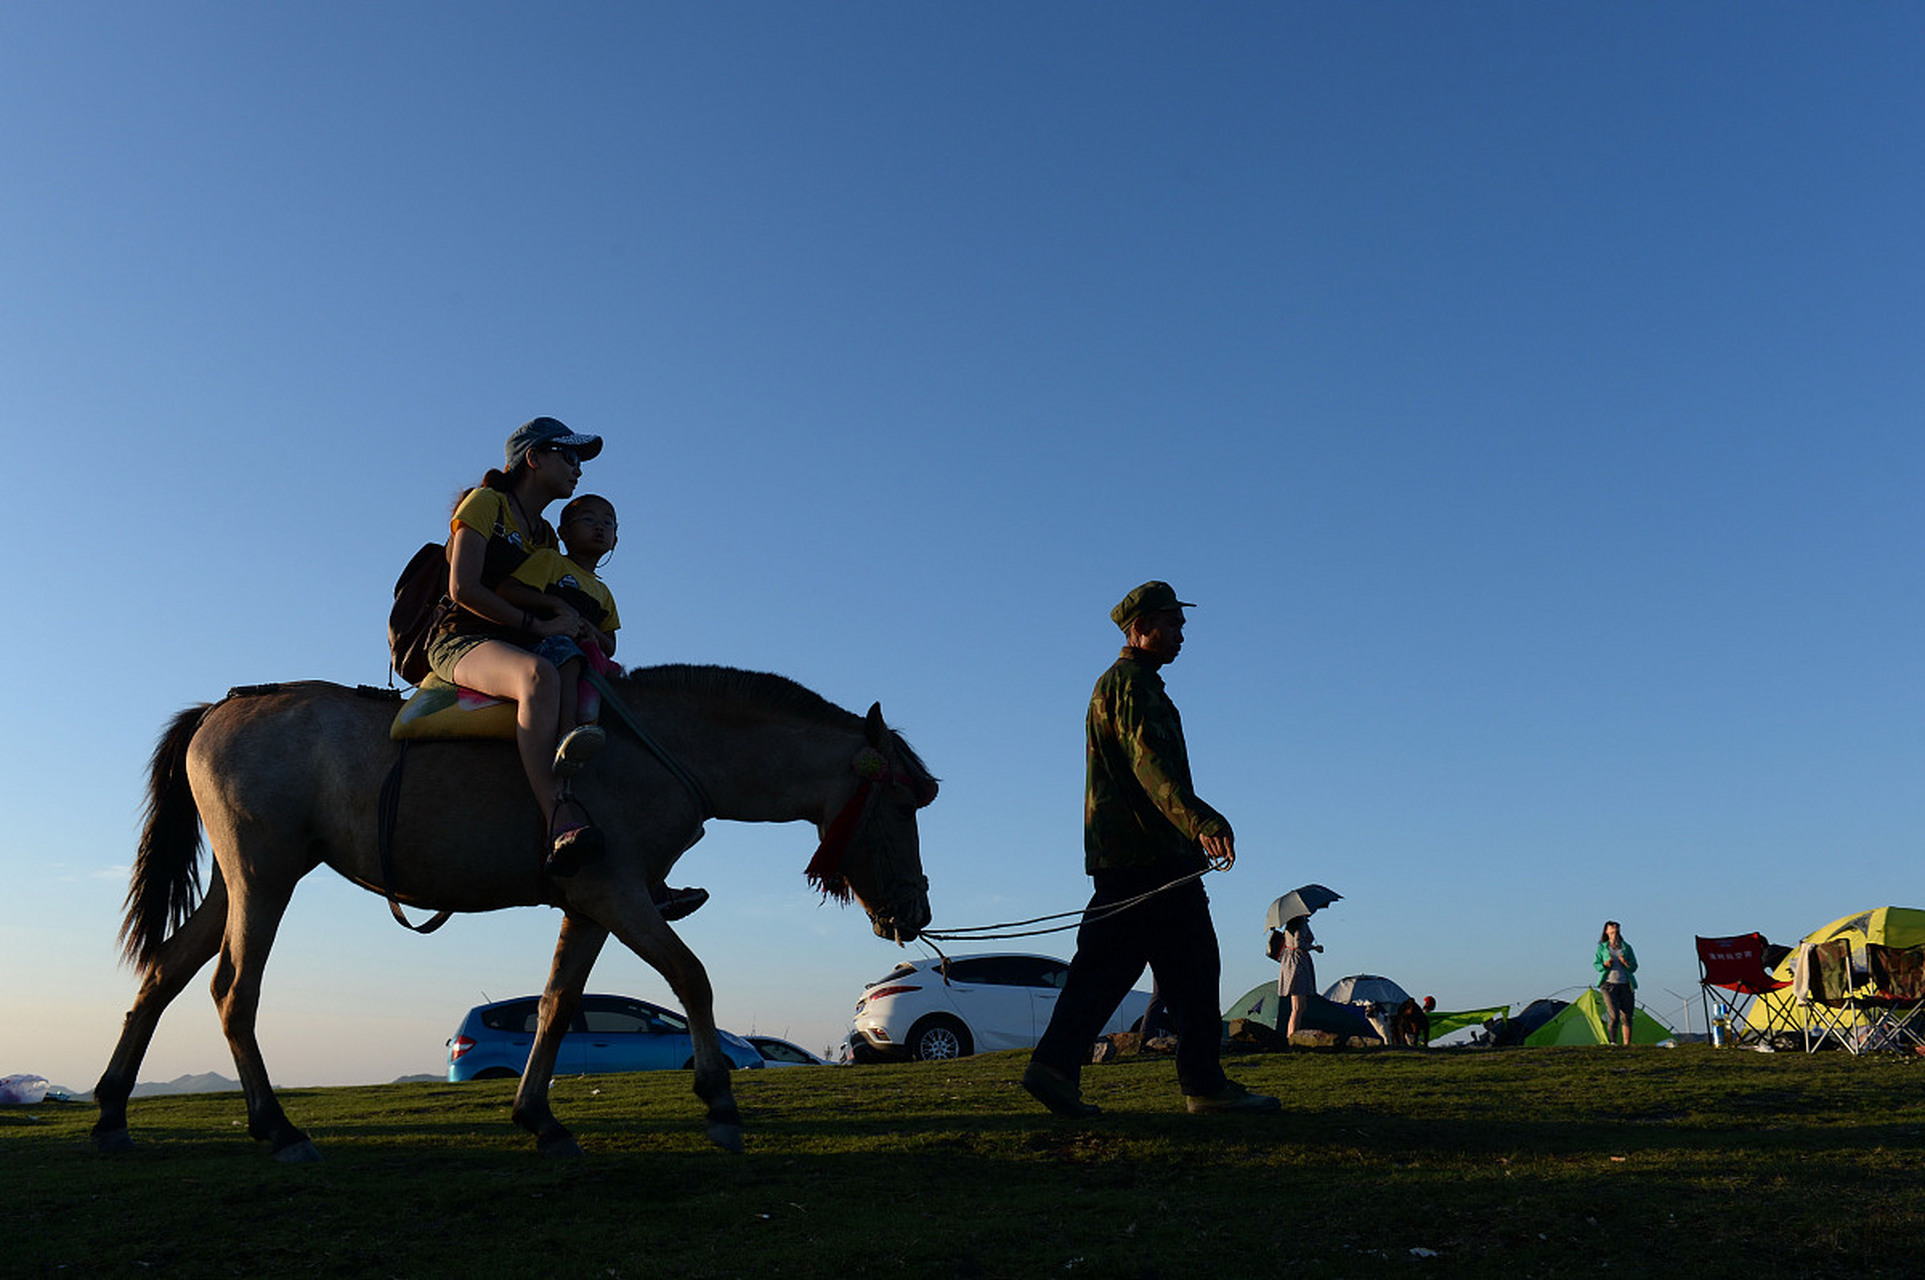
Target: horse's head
x,y
871,849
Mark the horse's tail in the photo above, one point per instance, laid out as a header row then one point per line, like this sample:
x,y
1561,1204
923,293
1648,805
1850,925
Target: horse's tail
x,y
166,882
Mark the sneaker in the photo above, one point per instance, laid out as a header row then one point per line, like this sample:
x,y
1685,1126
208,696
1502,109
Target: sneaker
x,y
676,903
580,745
1057,1092
1232,1098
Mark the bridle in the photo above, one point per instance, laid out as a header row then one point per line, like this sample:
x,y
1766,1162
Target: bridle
x,y
876,772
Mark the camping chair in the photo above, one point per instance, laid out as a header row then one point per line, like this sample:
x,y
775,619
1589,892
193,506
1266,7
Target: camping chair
x,y
1824,992
1897,995
1736,968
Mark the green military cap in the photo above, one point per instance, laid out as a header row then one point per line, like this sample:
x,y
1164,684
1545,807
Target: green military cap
x,y
1151,597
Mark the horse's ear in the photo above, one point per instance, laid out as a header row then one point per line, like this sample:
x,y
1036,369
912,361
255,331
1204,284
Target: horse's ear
x,y
874,729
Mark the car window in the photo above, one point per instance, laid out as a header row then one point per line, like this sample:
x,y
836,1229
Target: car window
x,y
627,1017
897,972
615,1022
782,1052
1051,973
1008,971
975,972
516,1018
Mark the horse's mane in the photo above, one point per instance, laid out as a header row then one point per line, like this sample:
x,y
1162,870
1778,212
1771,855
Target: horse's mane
x,y
763,690
732,684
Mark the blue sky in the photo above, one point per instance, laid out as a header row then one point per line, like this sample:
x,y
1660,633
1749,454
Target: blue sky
x,y
1528,395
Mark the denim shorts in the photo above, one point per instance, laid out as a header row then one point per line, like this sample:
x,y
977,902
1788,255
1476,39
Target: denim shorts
x,y
558,650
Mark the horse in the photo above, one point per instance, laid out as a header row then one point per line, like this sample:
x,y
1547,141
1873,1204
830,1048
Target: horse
x,y
285,778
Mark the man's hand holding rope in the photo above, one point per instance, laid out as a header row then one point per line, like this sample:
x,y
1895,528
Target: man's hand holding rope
x,y
1220,850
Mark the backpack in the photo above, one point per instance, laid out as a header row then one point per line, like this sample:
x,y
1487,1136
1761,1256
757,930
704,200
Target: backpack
x,y
420,594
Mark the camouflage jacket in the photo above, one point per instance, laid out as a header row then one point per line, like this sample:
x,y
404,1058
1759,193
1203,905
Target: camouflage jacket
x,y
1138,805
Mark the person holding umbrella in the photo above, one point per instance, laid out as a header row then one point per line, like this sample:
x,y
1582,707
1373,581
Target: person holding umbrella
x,y
1298,979
1147,839
1292,944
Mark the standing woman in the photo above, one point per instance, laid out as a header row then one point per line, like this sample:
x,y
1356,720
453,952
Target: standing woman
x,y
485,641
1298,980
1617,967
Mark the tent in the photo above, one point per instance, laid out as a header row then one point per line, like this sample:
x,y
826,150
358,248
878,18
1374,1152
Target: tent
x,y
1262,1004
1888,926
1582,1022
1366,988
1444,1023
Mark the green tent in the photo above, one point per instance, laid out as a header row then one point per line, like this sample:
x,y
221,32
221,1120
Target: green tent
x,y
1582,1022
1442,1023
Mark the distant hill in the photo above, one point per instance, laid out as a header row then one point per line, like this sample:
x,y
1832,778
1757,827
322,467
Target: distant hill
x,y
208,1082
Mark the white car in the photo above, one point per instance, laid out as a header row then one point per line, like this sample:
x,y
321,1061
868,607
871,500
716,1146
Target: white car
x,y
972,1004
777,1052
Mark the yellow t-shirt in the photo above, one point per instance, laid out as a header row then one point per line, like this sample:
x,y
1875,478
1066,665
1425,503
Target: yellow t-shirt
x,y
489,513
554,574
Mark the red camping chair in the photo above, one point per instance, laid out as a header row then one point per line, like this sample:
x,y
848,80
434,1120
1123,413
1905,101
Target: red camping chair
x,y
1896,997
1824,990
1736,968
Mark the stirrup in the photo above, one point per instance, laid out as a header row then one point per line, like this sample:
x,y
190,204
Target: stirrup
x,y
577,747
573,848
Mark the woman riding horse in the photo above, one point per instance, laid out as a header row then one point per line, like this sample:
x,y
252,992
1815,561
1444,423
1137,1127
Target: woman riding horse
x,y
486,641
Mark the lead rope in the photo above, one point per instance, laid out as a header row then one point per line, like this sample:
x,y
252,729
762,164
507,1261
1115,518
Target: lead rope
x,y
990,932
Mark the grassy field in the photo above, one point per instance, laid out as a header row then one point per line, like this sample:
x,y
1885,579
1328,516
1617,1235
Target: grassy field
x,y
1536,1162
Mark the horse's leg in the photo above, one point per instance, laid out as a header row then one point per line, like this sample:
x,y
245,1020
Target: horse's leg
x,y
252,920
641,928
575,952
182,956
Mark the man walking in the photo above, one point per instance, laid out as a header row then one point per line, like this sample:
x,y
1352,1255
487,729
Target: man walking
x,y
1143,829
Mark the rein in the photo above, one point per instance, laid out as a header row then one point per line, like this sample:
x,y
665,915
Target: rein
x,y
705,808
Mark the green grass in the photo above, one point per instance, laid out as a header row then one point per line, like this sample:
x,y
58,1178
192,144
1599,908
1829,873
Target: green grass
x,y
1535,1162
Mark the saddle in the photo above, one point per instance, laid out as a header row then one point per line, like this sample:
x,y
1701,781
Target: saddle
x,y
437,709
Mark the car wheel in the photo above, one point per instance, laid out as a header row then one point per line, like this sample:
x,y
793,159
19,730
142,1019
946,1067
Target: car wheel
x,y
937,1038
495,1073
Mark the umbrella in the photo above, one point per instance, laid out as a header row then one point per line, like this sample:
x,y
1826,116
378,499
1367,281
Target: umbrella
x,y
1365,988
1298,902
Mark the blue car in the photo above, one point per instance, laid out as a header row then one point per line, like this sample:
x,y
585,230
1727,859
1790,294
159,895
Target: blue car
x,y
608,1033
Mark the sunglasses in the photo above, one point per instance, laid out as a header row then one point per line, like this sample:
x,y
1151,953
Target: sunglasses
x,y
565,452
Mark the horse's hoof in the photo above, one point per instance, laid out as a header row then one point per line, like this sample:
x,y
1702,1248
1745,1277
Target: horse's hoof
x,y
726,1136
302,1152
113,1141
561,1147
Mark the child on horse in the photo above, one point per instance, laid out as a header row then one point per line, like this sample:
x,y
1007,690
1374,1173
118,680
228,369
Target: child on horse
x,y
588,534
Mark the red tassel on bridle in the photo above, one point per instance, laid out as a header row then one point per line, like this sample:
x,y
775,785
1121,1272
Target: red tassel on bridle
x,y
825,868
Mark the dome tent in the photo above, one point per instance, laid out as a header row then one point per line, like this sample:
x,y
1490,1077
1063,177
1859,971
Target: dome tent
x,y
1887,926
1262,1004
1583,1022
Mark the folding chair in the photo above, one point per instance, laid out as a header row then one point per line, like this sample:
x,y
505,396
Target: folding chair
x,y
1737,967
1897,995
1823,989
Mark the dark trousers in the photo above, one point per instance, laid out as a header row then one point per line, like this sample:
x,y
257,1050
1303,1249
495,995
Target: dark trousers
x,y
1173,935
